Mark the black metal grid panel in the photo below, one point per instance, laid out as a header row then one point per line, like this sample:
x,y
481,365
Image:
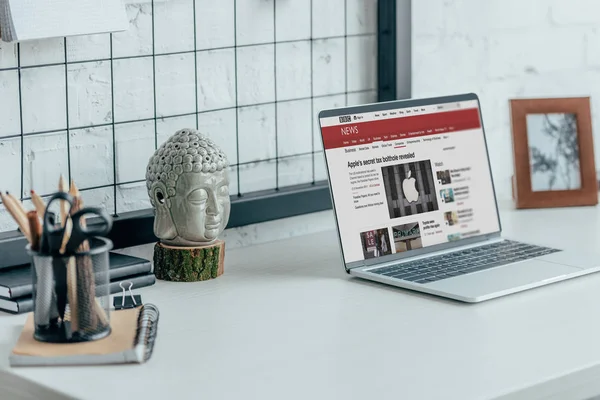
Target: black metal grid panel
x,y
113,125
279,201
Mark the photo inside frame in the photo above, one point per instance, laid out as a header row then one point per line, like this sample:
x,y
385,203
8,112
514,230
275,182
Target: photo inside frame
x,y
553,152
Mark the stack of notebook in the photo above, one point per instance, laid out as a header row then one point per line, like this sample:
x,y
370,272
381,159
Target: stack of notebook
x,y
16,283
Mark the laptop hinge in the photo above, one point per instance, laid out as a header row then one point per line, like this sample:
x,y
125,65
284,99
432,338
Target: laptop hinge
x,y
356,264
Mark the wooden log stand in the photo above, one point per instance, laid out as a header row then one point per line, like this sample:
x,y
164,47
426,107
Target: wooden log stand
x,y
189,264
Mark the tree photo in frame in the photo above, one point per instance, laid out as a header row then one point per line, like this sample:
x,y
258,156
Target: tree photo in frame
x,y
553,153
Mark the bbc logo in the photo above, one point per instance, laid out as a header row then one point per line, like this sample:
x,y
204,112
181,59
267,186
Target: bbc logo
x,y
346,118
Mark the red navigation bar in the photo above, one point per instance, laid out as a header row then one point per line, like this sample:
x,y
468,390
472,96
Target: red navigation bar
x,y
400,128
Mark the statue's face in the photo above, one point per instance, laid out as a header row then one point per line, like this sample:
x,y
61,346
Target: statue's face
x,y
197,213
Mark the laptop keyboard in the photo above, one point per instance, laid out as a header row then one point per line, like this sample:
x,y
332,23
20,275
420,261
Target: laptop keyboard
x,y
463,262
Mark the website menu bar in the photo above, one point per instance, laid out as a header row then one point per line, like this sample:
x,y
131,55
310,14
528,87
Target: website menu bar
x,y
397,113
393,129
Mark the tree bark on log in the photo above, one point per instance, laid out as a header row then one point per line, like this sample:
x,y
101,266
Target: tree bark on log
x,y
189,264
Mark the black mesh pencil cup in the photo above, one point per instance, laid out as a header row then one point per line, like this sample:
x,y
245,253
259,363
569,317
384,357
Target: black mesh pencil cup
x,y
71,295
70,270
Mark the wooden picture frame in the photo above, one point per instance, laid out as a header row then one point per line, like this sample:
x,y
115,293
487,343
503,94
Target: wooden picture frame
x,y
553,151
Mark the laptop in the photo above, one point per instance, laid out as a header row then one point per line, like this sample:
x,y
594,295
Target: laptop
x,y
415,207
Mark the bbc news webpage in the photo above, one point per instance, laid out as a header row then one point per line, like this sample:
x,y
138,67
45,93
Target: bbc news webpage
x,y
409,178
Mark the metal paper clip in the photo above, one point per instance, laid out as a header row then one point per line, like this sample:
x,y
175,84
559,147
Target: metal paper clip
x,y
131,294
130,301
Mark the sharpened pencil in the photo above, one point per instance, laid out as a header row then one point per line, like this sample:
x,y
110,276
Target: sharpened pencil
x,y
36,230
18,203
72,294
89,306
72,273
64,205
65,221
73,189
38,203
76,206
17,213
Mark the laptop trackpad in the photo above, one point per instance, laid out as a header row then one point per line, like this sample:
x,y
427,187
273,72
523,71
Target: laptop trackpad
x,y
503,278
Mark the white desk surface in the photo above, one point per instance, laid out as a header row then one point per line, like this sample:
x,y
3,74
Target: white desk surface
x,y
286,322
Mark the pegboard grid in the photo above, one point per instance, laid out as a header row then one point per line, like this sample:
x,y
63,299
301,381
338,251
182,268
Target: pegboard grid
x,y
114,125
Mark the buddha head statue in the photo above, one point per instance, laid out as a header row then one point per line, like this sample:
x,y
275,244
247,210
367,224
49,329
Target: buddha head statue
x,y
188,185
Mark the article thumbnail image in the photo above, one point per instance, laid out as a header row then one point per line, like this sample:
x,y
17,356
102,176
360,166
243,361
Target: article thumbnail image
x,y
443,177
409,188
376,243
453,237
447,195
451,218
407,237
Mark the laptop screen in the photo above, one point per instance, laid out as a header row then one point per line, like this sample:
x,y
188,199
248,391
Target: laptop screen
x,y
408,178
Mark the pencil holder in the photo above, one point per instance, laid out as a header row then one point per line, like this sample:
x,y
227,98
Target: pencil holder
x,y
71,295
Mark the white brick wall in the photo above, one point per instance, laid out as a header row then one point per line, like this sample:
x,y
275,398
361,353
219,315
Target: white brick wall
x,y
574,12
88,82
503,49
